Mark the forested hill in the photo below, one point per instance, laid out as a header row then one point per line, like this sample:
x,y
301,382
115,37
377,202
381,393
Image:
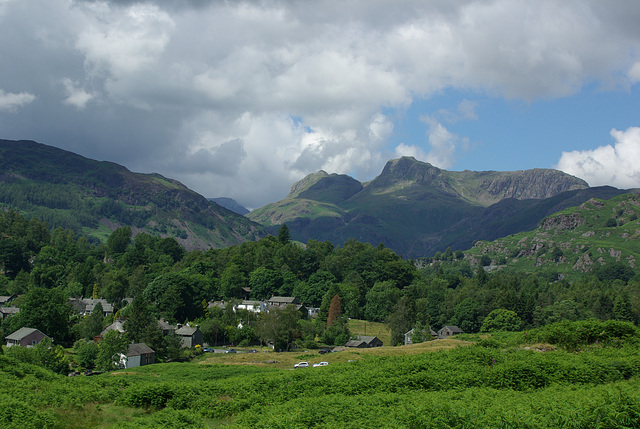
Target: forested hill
x,y
416,209
94,198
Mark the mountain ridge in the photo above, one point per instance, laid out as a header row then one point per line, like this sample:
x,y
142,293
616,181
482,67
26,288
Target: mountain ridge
x,y
412,206
94,197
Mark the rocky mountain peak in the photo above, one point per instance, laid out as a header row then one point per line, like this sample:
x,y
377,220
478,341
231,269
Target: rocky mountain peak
x,y
306,182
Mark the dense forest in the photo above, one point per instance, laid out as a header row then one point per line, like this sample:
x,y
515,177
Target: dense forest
x,y
363,281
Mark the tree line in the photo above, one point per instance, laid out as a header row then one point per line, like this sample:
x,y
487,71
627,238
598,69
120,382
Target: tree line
x,y
357,280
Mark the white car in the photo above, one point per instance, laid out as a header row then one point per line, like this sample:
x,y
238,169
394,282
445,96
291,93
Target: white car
x,y
301,365
315,365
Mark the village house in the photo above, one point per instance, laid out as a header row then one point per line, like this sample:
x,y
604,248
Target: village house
x,y
166,327
449,330
253,306
364,342
85,306
8,311
282,301
117,325
7,299
408,340
138,354
189,336
26,337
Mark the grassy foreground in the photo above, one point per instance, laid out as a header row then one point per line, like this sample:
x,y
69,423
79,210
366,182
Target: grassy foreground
x,y
491,383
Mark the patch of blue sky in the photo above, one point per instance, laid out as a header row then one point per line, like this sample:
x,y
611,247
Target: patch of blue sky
x,y
494,133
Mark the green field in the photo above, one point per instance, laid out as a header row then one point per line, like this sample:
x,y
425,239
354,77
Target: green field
x,y
587,379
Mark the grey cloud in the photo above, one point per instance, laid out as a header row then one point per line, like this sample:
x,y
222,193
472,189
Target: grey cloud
x,y
147,79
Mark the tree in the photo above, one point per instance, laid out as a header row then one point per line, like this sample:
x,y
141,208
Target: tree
x,y
401,319
138,321
380,301
91,325
232,281
86,353
119,240
501,319
47,310
283,234
335,310
466,314
264,282
109,350
279,327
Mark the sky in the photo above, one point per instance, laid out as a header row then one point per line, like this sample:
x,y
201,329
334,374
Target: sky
x,y
241,99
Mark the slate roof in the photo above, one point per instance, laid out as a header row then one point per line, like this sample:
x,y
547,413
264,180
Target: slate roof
x,y
139,349
118,325
186,331
21,333
283,299
9,310
165,326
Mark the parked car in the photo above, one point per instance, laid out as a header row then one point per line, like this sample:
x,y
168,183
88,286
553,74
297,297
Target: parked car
x,y
301,365
208,350
253,351
315,365
324,351
231,351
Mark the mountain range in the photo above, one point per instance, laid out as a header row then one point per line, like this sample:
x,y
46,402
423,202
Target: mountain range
x,y
412,207
417,209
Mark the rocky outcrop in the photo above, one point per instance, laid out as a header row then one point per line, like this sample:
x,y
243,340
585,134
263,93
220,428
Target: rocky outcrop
x,y
563,222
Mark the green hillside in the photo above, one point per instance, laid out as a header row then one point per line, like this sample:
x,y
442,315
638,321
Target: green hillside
x,y
594,236
94,198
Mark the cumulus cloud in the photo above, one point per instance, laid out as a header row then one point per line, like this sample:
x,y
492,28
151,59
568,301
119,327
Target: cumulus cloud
x,y
442,142
10,101
76,96
615,165
159,85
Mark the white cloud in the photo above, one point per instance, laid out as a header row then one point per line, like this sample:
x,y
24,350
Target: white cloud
x,y
615,165
442,144
122,41
76,96
404,149
10,101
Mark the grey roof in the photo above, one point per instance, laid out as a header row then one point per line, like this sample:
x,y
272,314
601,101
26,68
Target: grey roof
x,y
6,298
454,329
248,302
289,299
118,325
21,333
186,331
366,338
165,326
354,343
9,310
139,349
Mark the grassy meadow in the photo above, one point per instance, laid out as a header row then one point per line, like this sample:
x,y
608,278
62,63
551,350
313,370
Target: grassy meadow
x,y
571,375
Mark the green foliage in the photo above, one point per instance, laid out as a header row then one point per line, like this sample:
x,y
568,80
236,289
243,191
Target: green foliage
x,y
109,350
46,310
501,319
86,353
43,354
574,335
